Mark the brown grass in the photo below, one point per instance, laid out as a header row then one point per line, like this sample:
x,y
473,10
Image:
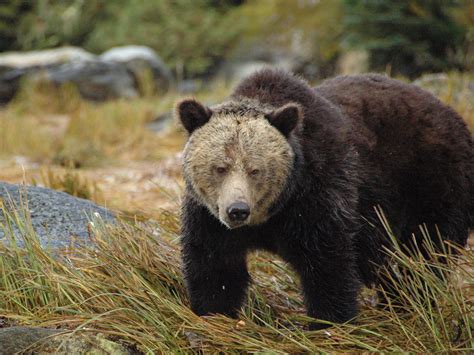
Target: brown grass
x,y
129,285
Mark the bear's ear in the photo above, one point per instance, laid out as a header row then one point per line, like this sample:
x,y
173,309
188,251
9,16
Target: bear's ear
x,y
285,118
192,114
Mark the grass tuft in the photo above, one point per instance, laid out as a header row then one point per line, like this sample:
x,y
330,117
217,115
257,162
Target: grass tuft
x,y
71,182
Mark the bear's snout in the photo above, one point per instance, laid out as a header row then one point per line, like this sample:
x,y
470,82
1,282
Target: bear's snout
x,y
238,211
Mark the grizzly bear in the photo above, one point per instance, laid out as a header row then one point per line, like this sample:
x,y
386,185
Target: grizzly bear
x,y
297,171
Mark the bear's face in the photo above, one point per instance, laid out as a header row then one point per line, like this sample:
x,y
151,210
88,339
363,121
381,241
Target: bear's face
x,y
237,164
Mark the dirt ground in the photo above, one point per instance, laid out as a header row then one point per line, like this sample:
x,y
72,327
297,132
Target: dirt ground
x,y
143,188
136,187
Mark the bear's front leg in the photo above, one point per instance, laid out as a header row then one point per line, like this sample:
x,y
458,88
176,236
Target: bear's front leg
x,y
216,281
329,281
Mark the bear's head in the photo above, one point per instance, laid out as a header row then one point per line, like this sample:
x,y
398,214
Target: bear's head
x,y
238,158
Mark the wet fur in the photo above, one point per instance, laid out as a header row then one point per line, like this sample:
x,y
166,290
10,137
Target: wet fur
x,y
364,141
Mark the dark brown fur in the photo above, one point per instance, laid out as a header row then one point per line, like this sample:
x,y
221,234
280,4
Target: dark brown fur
x,y
363,141
416,158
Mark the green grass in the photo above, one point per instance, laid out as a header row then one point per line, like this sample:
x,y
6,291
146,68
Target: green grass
x,y
130,286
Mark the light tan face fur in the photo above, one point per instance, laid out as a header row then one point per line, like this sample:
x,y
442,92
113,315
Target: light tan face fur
x,y
235,158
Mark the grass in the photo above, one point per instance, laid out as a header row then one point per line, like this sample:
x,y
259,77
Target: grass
x,y
129,286
69,181
54,125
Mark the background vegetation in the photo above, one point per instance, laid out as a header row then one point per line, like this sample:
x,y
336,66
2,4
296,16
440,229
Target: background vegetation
x,y
193,37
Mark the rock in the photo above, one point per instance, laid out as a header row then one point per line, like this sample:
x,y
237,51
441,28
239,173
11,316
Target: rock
x,y
9,82
247,58
161,122
56,217
95,80
457,88
114,74
16,339
435,83
188,87
139,59
236,71
54,341
44,58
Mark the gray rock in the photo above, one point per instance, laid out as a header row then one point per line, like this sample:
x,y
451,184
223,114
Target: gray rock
x,y
161,122
247,58
138,59
114,74
457,87
44,58
34,340
16,66
435,83
16,339
9,82
353,62
56,217
236,71
188,87
95,80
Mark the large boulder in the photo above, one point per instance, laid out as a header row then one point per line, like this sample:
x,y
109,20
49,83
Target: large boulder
x,y
236,71
96,80
15,66
56,217
44,58
138,60
246,59
9,82
114,74
457,88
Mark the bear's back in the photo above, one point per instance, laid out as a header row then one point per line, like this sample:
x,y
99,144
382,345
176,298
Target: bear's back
x,y
421,147
394,120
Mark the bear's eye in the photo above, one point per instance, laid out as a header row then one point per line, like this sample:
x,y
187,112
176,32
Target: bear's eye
x,y
254,172
221,170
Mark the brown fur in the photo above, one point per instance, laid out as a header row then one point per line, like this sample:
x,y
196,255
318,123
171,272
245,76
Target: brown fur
x,y
242,141
328,155
417,158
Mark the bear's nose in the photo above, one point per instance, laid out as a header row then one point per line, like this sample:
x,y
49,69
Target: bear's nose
x,y
238,211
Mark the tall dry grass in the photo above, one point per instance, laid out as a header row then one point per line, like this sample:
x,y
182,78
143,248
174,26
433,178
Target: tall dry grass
x,y
128,285
51,124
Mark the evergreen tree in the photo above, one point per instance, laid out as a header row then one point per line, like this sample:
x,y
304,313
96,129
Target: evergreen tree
x,y
411,36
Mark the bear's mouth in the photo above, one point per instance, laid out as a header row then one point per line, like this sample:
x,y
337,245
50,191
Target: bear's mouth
x,y
234,225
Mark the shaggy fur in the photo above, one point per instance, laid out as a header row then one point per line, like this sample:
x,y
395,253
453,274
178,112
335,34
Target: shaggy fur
x,y
239,140
362,141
